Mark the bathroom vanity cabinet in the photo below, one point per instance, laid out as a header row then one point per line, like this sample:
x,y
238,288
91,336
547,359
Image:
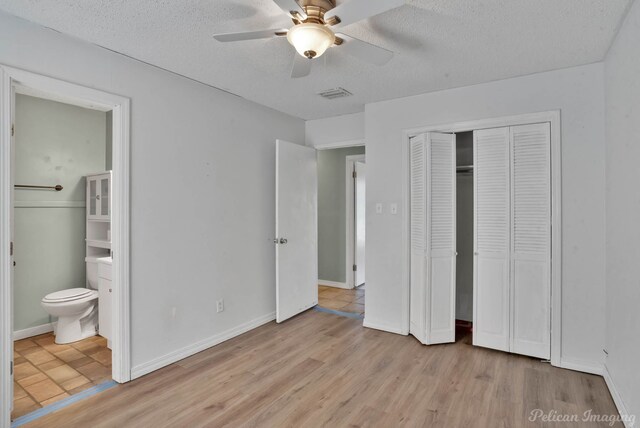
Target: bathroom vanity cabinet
x,y
105,293
98,248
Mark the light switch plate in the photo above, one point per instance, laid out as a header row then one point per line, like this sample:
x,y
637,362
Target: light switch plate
x,y
378,208
393,208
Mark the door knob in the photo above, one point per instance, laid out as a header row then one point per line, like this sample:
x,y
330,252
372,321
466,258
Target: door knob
x,y
283,240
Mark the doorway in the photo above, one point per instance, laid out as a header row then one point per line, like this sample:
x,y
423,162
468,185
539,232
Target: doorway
x,y
37,356
342,229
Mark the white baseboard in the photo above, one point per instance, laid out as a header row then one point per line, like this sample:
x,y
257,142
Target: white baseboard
x,y
627,419
381,326
187,351
582,366
33,331
334,284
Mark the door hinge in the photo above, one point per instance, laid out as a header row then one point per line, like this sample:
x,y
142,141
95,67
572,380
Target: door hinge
x,y
11,249
355,174
11,368
355,268
13,130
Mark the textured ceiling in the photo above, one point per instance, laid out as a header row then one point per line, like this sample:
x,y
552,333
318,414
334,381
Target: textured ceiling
x,y
439,44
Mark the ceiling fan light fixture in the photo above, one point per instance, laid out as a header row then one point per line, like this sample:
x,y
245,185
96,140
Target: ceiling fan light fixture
x,y
311,40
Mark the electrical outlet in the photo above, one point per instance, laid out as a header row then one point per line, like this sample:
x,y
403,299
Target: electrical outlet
x,y
393,208
220,306
378,208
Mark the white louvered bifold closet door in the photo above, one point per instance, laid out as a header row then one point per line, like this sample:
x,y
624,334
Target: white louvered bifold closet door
x,y
531,240
433,237
441,238
491,306
418,236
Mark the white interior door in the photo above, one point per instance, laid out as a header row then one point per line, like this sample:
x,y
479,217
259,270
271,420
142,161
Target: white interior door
x,y
418,236
531,240
441,237
296,229
433,235
360,220
12,231
491,238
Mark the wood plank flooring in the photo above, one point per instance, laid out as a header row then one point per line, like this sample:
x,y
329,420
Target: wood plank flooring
x,y
341,299
320,369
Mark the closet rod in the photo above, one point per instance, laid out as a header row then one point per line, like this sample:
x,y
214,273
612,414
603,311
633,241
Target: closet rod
x,y
57,187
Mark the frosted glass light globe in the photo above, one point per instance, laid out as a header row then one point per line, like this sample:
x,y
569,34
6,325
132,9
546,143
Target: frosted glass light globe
x,y
311,40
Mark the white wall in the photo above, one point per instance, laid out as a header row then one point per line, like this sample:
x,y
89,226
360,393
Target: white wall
x,y
579,93
623,205
338,129
202,193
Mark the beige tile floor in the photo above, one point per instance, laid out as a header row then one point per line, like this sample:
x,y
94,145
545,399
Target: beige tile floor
x,y
46,372
341,300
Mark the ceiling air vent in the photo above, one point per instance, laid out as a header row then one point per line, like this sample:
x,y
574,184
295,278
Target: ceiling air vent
x,y
332,94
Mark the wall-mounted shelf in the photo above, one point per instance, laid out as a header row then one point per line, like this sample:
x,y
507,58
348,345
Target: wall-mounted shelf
x,y
98,243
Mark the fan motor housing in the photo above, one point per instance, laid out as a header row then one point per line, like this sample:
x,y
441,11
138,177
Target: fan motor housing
x,y
322,4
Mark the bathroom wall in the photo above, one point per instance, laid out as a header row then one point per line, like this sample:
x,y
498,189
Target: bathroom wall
x,y
55,144
332,213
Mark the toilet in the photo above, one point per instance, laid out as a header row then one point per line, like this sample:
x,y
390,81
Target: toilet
x,y
76,308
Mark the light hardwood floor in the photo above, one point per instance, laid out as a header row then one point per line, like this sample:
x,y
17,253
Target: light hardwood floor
x,y
320,369
341,299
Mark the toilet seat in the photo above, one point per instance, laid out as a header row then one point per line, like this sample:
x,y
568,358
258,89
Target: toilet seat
x,y
68,295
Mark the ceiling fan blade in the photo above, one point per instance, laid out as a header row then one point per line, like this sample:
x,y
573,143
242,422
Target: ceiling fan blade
x,y
364,51
251,35
301,67
292,8
357,10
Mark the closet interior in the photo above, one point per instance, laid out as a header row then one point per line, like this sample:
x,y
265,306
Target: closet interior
x,y
464,230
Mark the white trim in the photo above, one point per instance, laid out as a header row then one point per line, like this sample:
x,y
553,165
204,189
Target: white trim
x,y
627,419
340,144
382,326
192,349
556,216
34,331
582,366
350,236
334,284
6,298
49,204
88,98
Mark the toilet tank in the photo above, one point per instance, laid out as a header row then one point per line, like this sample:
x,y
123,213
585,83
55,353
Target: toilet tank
x,y
92,271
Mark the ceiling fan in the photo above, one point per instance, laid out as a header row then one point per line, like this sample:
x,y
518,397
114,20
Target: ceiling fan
x,y
313,30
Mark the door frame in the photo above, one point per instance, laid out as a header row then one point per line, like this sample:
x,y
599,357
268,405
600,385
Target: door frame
x,y
350,163
554,118
49,88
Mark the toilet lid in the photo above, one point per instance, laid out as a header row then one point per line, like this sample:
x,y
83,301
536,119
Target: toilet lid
x,y
67,295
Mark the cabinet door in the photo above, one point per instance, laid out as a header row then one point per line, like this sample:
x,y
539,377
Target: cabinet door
x,y
491,307
105,199
531,240
104,308
93,197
